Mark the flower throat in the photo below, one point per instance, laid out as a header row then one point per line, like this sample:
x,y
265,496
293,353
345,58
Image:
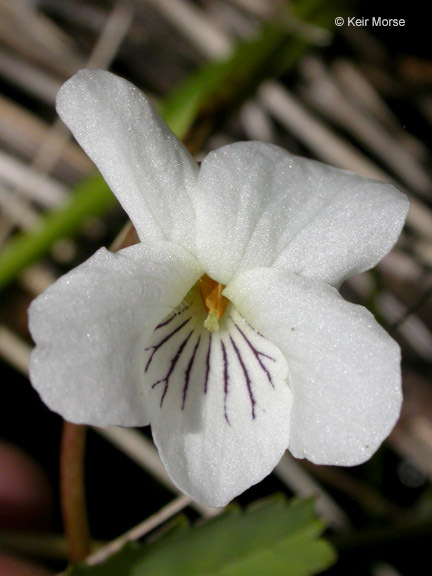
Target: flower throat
x,y
214,302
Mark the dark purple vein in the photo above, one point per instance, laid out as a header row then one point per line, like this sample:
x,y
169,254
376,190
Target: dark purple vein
x,y
247,378
173,363
171,318
156,347
257,354
188,372
226,378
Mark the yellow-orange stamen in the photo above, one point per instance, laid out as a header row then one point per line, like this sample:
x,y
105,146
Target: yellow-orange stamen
x,y
214,302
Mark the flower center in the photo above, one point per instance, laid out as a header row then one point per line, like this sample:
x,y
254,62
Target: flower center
x,y
214,302
233,365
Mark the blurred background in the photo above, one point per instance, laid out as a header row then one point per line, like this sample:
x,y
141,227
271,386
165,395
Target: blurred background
x,y
357,97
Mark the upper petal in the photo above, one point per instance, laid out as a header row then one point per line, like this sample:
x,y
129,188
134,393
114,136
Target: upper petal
x,y
344,369
145,165
90,329
258,205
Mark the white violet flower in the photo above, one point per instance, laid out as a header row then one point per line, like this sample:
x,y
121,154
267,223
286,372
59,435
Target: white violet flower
x,y
223,328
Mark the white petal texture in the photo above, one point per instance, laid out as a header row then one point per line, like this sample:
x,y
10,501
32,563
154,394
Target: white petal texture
x,y
344,369
220,404
145,165
275,209
223,329
91,327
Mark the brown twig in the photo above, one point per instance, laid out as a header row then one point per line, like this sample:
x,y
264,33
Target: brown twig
x,y
72,490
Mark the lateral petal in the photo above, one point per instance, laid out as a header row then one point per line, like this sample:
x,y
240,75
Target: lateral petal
x,y
258,205
145,165
344,369
90,329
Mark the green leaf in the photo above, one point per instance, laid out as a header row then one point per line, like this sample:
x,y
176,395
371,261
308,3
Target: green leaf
x,y
221,86
90,198
271,537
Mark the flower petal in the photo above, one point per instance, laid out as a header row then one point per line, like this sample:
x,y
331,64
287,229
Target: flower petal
x,y
220,404
90,329
344,368
145,165
258,205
